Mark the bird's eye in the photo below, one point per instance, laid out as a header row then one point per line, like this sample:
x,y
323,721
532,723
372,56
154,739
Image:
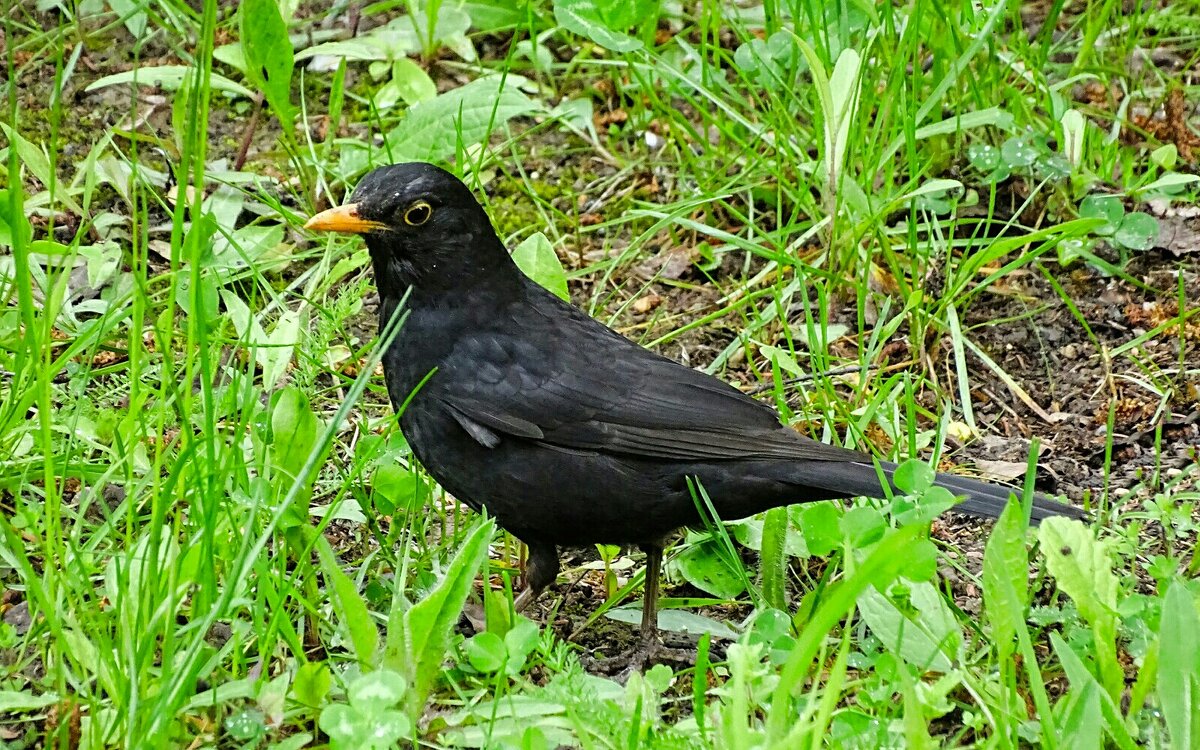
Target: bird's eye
x,y
417,214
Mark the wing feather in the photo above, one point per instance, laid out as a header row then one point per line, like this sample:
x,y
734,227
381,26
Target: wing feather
x,y
612,396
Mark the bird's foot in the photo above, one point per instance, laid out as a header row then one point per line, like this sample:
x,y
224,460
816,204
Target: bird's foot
x,y
651,651
474,617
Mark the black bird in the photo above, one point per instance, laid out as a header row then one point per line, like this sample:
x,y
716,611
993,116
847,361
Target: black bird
x,y
568,433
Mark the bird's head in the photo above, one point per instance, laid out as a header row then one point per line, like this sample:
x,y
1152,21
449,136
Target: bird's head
x,y
423,227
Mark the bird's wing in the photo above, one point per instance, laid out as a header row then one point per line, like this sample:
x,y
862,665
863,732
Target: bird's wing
x,y
577,385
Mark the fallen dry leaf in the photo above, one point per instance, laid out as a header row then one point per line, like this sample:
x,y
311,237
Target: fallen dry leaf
x,y
1003,470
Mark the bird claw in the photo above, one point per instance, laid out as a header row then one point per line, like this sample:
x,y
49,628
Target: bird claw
x,y
475,617
651,651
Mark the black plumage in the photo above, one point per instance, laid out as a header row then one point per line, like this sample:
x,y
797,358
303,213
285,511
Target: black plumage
x,y
565,431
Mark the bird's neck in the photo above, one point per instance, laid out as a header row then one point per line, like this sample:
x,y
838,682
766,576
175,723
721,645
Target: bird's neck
x,y
436,312
453,275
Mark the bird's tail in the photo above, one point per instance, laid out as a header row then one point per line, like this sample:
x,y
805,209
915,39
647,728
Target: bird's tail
x,y
981,499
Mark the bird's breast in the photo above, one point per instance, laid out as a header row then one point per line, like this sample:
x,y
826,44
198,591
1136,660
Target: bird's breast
x,y
416,350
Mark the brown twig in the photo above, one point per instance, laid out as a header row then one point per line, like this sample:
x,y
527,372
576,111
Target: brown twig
x,y
248,136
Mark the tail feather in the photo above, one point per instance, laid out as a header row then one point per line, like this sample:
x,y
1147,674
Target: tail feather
x,y
989,500
981,499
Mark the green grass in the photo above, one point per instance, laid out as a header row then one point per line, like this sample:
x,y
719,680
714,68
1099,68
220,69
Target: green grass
x,y
892,226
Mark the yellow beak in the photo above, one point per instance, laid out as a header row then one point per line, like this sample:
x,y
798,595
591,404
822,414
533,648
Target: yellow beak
x,y
343,219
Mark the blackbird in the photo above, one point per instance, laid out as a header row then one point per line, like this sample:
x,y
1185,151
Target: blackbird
x,y
565,431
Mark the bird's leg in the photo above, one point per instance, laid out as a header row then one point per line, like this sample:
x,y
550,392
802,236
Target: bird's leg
x,y
651,648
524,599
540,571
650,594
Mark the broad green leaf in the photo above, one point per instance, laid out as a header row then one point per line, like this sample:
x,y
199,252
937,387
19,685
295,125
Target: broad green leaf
x,y
252,245
520,641
294,430
84,652
224,693
922,561
428,624
33,157
250,333
367,721
273,696
231,54
1081,565
8,221
269,55
929,639
1166,157
246,724
38,163
1083,569
450,26
1138,231
933,187
1082,682
412,82
349,605
366,48
819,337
1179,666
921,508
1105,207
703,566
843,91
1073,249
279,346
1081,723
820,525
381,688
914,477
1170,183
749,533
604,23
773,61
169,77
486,652
272,352
16,701
772,628
862,526
1005,578
783,359
397,488
312,683
1018,153
103,262
498,15
432,130
535,256
1021,153
132,14
983,156
773,560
